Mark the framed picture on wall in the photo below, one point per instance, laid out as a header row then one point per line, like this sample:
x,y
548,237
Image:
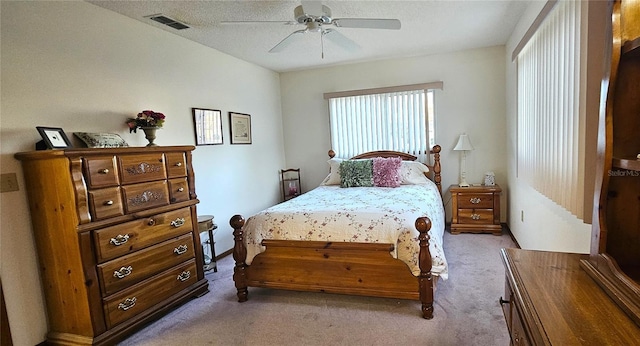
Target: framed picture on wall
x,y
52,138
240,128
208,126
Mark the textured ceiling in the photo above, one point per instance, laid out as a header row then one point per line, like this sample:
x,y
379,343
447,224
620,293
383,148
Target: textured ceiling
x,y
428,27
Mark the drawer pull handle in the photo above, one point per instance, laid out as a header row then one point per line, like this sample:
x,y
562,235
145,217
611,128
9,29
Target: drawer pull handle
x,y
127,304
151,222
103,171
181,189
475,217
177,222
108,203
502,301
179,164
184,276
119,239
180,250
475,200
123,272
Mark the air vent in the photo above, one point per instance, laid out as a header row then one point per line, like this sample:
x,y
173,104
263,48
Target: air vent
x,y
167,21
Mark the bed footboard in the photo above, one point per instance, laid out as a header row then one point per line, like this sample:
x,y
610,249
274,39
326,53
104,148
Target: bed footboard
x,y
366,269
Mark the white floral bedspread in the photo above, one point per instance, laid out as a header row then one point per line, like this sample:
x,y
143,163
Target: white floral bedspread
x,y
358,214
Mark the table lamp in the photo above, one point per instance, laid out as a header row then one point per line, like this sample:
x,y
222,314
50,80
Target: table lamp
x,y
463,145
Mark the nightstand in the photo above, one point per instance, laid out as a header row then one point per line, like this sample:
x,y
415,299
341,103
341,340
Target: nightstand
x,y
475,209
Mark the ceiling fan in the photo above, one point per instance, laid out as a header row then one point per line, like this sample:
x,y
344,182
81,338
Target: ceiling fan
x,y
317,17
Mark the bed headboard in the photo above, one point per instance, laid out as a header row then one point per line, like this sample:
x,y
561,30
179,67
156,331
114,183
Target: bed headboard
x,y
435,169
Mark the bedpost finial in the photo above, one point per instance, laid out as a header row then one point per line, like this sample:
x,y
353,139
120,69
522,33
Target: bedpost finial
x,y
332,153
423,224
237,221
436,148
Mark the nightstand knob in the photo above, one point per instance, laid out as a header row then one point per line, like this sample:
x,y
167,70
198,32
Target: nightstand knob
x,y
179,164
475,200
475,217
103,171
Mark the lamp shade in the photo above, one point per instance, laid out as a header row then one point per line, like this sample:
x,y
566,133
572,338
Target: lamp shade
x,y
463,143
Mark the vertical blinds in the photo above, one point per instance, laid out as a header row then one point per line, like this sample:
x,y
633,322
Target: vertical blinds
x,y
549,129
385,121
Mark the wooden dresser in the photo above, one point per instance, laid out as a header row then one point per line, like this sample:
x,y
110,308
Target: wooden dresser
x,y
117,237
550,300
475,209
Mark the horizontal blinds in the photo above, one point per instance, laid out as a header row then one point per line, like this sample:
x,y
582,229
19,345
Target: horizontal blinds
x,y
548,109
385,121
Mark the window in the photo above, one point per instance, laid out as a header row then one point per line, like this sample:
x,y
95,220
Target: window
x,y
550,119
396,118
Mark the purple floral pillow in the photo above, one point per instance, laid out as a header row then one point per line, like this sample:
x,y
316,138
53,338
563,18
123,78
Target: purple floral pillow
x,y
386,171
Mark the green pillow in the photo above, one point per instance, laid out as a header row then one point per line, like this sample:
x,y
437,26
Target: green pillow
x,y
354,173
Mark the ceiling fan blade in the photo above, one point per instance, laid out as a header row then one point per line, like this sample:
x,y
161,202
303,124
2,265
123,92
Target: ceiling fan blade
x,y
287,41
340,40
367,23
290,22
313,8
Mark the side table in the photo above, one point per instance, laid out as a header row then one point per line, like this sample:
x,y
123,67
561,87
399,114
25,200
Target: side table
x,y
205,224
475,209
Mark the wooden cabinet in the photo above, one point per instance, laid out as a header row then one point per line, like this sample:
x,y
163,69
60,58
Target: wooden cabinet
x,y
117,237
550,300
615,248
475,209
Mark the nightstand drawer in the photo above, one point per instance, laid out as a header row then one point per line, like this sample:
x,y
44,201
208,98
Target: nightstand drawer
x,y
475,200
475,216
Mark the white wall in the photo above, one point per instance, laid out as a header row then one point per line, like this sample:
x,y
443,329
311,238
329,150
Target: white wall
x,y
471,101
535,221
77,66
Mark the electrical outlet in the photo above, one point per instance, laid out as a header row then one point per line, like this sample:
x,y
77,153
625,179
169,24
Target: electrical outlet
x,y
8,182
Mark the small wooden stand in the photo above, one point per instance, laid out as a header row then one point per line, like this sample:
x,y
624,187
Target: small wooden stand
x,y
290,180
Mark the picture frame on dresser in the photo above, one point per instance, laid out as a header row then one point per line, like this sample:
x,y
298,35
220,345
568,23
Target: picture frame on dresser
x,y
240,127
52,138
208,126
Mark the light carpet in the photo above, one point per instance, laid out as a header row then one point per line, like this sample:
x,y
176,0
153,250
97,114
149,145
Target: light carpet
x,y
466,310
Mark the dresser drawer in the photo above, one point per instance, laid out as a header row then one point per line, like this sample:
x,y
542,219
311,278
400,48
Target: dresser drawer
x,y
101,171
131,236
518,334
105,203
475,216
176,165
142,168
124,271
475,200
144,295
178,190
145,196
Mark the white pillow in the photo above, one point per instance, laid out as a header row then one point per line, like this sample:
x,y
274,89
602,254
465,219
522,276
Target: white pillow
x,y
412,172
334,172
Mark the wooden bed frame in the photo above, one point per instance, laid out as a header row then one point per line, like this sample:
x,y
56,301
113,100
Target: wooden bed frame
x,y
366,269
